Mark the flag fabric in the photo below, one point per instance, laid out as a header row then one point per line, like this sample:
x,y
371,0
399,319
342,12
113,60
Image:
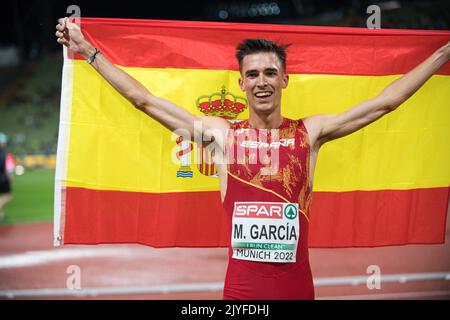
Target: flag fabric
x,y
124,178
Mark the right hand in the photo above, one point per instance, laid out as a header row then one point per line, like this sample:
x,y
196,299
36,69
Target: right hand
x,y
69,34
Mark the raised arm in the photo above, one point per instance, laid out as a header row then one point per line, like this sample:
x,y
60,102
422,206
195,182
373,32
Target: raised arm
x,y
326,127
167,113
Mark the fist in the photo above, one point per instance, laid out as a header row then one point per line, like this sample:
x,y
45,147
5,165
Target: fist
x,y
69,35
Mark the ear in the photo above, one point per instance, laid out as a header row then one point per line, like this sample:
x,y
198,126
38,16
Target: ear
x,y
241,84
285,80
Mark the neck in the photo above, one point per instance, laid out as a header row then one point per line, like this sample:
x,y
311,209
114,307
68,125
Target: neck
x,y
265,121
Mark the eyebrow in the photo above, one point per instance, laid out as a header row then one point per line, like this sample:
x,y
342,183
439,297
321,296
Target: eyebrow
x,y
265,70
271,69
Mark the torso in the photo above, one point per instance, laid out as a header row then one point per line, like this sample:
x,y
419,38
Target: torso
x,y
282,193
314,150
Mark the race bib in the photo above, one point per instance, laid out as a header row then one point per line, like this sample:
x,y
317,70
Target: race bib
x,y
265,231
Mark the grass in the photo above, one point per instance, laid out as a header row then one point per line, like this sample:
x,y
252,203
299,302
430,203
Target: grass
x,y
30,117
32,198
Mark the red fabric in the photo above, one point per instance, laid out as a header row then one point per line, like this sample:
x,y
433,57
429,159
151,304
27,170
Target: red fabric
x,y
264,280
88,222
243,283
379,218
158,220
314,50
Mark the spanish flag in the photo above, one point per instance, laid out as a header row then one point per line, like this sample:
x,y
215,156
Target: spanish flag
x,y
124,178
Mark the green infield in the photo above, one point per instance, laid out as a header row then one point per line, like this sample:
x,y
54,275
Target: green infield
x,y
32,197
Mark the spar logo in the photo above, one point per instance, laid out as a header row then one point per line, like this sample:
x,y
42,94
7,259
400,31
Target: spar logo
x,y
265,210
290,211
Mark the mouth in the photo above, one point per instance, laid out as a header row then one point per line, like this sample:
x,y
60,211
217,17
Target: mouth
x,y
263,95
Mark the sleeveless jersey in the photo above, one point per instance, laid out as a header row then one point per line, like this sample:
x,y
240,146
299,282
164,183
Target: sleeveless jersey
x,y
267,206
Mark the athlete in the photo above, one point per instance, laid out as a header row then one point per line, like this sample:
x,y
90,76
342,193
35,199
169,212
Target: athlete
x,y
5,176
266,197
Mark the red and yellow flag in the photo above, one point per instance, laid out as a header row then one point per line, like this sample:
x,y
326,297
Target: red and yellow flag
x,y
116,181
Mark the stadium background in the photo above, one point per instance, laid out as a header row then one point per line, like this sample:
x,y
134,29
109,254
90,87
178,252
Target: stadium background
x,y
30,75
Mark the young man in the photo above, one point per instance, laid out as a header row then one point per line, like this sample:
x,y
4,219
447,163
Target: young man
x,y
5,177
262,270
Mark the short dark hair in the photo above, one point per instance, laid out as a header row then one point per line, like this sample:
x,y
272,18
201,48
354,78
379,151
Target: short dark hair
x,y
251,46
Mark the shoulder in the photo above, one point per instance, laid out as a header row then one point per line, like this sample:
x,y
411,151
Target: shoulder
x,y
314,125
214,123
214,129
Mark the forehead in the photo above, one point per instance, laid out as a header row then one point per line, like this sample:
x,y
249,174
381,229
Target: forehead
x,y
261,61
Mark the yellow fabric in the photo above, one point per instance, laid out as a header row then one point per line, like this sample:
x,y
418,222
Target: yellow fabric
x,y
113,146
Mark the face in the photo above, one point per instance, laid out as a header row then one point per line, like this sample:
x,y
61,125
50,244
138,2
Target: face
x,y
262,80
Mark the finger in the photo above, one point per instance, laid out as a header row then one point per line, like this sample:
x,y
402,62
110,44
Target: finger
x,y
59,27
59,34
64,22
62,41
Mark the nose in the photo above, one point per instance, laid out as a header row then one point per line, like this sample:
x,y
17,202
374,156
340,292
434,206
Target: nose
x,y
262,80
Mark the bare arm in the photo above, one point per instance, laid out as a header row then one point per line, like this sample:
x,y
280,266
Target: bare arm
x,y
327,127
167,113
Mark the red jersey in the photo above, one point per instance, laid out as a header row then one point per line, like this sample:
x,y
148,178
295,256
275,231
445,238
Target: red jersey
x,y
267,206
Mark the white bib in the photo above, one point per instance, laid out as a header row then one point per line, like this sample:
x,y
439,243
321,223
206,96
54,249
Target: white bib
x,y
265,231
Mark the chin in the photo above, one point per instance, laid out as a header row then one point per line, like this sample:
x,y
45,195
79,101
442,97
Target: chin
x,y
264,107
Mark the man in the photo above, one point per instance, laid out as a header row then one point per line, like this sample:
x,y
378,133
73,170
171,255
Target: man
x,y
267,208
5,184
